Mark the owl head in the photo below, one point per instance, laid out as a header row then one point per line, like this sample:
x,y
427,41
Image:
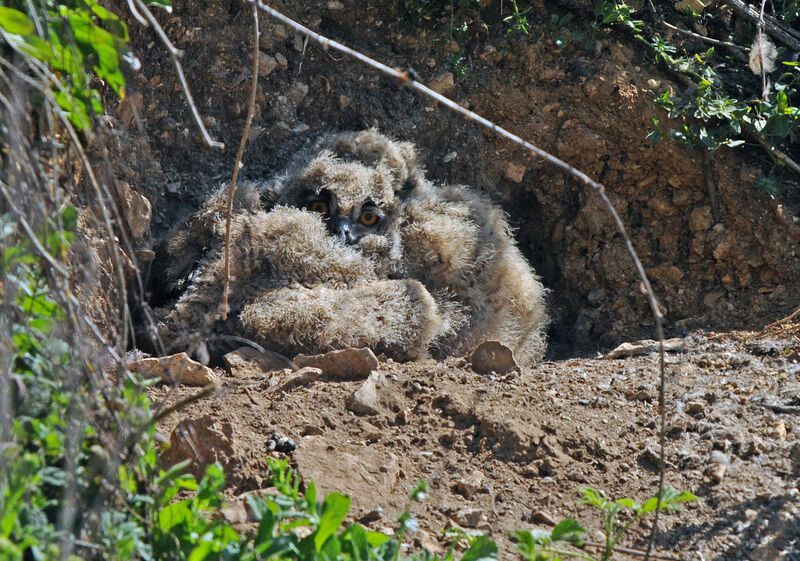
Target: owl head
x,y
357,183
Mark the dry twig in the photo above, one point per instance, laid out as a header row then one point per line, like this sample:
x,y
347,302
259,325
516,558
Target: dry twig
x,y
174,54
703,37
238,164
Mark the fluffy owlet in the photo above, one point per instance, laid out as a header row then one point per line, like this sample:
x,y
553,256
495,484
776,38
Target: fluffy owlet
x,y
352,246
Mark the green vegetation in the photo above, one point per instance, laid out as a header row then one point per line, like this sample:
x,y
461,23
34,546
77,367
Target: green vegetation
x,y
541,545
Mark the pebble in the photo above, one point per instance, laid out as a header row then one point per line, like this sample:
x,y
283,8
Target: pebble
x,y
493,356
471,484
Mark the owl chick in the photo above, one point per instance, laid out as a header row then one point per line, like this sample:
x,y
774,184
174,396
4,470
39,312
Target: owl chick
x,y
352,246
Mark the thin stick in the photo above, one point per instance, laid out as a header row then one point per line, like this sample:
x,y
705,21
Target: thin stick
x,y
406,79
776,152
764,91
703,37
174,54
245,134
788,318
638,552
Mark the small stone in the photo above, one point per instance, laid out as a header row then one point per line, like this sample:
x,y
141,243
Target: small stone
x,y
334,5
541,517
305,376
695,407
280,32
177,369
235,512
700,219
266,64
144,255
779,430
716,473
403,417
344,102
644,347
136,209
246,362
471,484
514,172
470,517
281,60
643,395
347,364
130,108
311,430
443,83
493,356
365,400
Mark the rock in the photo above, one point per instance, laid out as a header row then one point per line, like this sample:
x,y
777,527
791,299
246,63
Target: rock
x,y
514,172
365,400
700,219
403,416
235,512
203,441
311,430
667,274
493,356
266,64
246,362
695,407
344,102
470,517
716,473
333,5
130,109
368,475
779,429
176,369
347,364
304,377
136,209
281,60
644,347
471,484
718,466
541,517
443,83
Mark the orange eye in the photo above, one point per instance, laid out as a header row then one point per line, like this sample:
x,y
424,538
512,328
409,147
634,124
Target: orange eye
x,y
319,206
368,218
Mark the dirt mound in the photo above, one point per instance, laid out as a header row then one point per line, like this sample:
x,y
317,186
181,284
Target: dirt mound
x,y
507,452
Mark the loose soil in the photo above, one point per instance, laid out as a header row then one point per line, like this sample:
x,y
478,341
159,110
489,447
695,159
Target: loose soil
x,y
733,397
533,438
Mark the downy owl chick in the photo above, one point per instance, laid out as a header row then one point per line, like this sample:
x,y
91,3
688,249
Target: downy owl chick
x,y
352,246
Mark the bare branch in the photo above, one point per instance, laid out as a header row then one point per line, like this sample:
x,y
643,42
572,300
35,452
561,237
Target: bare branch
x,y
245,134
703,37
174,54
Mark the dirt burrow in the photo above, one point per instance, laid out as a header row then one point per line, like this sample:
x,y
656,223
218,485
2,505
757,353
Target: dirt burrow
x,y
508,452
593,109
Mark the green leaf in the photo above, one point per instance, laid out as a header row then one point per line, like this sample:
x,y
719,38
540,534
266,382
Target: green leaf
x,y
482,549
15,22
568,530
173,514
334,509
165,4
69,218
592,497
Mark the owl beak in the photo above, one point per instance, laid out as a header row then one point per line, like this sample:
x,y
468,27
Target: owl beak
x,y
342,231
